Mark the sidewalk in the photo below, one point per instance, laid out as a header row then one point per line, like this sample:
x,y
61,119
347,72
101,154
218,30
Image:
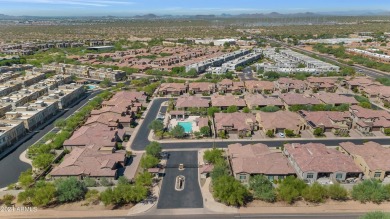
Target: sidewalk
x,y
208,200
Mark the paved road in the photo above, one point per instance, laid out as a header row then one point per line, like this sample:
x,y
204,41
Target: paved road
x,y
190,196
11,166
238,216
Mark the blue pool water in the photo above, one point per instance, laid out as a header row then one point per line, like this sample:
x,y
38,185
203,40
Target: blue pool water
x,y
91,87
186,125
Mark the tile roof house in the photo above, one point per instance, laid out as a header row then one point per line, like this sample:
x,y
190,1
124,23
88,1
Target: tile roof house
x,y
201,88
368,120
329,121
172,89
98,137
229,86
313,161
224,101
257,159
185,102
85,162
235,123
286,85
371,157
335,99
261,87
322,84
291,99
258,100
278,121
355,83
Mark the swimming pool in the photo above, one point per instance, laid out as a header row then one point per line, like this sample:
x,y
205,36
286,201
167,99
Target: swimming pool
x,y
91,87
186,125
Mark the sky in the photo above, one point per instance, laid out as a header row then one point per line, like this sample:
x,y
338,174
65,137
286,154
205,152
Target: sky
x,y
181,7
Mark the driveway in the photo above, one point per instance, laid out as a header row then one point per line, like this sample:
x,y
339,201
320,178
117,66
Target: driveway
x,y
190,196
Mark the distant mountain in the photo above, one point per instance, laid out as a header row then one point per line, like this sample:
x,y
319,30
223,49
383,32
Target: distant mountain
x,y
146,16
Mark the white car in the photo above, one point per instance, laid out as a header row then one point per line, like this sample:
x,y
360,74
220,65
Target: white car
x,y
281,135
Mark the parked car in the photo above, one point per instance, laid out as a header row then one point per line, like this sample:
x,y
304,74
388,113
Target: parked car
x,y
281,135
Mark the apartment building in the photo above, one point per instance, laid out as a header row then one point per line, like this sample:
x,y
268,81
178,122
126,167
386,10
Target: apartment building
x,y
10,132
241,61
66,94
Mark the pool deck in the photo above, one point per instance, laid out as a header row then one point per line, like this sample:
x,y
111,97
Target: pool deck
x,y
195,128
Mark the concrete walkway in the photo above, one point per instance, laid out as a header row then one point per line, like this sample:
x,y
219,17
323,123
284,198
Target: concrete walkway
x,y
23,157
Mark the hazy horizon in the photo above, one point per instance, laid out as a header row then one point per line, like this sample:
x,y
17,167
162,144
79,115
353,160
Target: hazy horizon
x,y
180,7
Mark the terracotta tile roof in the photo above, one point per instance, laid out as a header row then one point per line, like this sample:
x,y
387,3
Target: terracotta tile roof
x,y
239,121
261,100
299,99
259,85
258,159
333,98
201,86
318,158
88,162
192,101
375,155
202,122
361,112
288,83
173,87
327,119
226,101
279,120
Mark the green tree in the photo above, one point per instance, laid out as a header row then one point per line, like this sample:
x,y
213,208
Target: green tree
x,y
60,123
105,83
337,192
232,109
149,161
289,133
213,156
70,190
229,191
153,149
262,188
156,125
318,132
144,179
212,110
205,131
387,131
26,179
8,199
290,189
246,110
40,195
42,160
270,133
219,170
370,190
178,131
315,193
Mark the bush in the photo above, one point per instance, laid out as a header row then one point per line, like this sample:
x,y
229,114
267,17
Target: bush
x,y
315,193
70,190
178,131
213,156
26,179
290,189
270,133
229,191
262,188
337,192
232,109
89,182
42,194
105,182
376,215
92,197
370,190
149,161
318,132
124,193
8,199
205,131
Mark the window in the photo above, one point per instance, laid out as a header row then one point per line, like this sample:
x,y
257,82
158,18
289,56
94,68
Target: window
x,y
310,176
339,175
242,177
280,177
377,174
270,178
